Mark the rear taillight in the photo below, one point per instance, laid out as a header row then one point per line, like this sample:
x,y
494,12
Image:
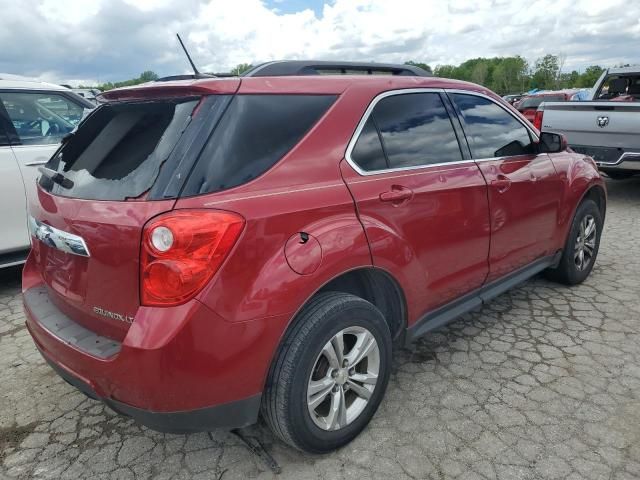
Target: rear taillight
x,y
537,120
181,251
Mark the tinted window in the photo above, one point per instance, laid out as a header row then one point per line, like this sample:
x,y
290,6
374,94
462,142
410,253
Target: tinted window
x,y
416,130
367,153
491,131
41,118
255,132
118,150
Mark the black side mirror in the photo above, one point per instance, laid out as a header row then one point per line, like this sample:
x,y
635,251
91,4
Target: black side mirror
x,y
552,142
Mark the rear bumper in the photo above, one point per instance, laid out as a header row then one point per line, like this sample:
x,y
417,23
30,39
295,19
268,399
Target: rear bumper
x,y
230,415
612,158
178,369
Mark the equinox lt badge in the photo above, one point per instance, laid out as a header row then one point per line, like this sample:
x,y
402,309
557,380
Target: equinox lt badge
x,y
115,316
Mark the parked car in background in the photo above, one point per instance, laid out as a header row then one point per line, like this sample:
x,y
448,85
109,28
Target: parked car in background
x,y
528,105
34,117
512,98
89,94
606,126
205,250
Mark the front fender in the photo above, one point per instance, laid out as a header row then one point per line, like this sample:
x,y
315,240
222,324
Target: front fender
x,y
580,176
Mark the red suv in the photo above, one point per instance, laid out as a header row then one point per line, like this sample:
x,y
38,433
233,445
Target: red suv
x,y
208,250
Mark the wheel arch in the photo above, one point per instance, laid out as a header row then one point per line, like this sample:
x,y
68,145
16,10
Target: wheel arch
x,y
373,284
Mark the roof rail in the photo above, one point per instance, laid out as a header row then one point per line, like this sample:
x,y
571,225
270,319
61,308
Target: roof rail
x,y
285,68
189,76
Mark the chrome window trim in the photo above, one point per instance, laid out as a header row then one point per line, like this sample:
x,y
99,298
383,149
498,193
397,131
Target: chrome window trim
x,y
56,238
365,118
390,93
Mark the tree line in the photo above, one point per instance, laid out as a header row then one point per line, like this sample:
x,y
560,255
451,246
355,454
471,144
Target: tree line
x,y
515,75
501,74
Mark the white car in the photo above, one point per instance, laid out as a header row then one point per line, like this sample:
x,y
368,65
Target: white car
x,y
34,116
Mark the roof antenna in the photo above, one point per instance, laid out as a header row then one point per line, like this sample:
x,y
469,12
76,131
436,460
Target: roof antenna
x,y
196,73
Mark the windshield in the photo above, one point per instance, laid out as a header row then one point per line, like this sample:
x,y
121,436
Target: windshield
x,y
534,102
117,152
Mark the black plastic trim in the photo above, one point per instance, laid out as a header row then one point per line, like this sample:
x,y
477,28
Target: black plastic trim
x,y
241,413
175,171
449,312
50,318
17,257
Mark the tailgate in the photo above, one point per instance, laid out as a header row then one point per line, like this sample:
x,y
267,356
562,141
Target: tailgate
x,y
97,288
610,124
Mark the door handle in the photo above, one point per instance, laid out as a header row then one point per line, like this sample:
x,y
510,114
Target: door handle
x,y
501,183
397,195
36,162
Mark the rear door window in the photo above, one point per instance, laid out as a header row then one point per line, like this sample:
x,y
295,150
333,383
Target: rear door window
x,y
491,130
416,130
255,132
41,118
117,152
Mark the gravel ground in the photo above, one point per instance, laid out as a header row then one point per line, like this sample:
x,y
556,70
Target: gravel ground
x,y
544,382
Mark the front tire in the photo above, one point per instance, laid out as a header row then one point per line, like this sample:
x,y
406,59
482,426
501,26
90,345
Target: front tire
x,y
330,374
581,248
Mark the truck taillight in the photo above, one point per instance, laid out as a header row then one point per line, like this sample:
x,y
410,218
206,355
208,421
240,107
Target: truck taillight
x,y
181,251
537,120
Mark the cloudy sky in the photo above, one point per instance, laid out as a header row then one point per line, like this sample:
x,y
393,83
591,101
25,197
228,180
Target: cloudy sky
x,y
102,40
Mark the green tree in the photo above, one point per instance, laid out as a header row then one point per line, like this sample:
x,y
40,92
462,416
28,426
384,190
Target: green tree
x,y
589,76
241,68
545,72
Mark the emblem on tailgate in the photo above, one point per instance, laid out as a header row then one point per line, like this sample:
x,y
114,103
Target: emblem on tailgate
x,y
603,121
116,316
55,238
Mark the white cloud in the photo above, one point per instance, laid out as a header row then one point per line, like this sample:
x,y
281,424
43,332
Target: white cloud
x,y
117,39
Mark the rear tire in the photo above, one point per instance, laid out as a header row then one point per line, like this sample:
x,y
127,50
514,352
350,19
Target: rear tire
x,y
315,400
581,248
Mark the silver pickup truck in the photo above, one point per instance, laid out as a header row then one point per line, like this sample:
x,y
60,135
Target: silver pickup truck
x,y
607,126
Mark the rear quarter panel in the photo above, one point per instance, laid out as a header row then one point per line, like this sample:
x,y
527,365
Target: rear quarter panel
x,y
303,192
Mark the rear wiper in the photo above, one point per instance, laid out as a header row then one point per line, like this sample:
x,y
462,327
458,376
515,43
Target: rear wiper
x,y
56,177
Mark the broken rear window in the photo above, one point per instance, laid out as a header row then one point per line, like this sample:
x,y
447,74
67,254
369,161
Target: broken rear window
x,y
117,152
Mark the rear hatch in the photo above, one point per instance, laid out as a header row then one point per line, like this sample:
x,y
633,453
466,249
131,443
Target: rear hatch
x,y
118,170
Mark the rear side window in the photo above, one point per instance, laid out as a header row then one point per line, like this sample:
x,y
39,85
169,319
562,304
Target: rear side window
x,y
416,130
407,130
255,132
117,152
491,131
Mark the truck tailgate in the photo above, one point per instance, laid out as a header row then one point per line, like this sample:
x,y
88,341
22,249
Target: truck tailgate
x,y
602,124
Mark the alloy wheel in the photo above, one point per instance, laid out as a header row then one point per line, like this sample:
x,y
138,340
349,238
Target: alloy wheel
x,y
585,243
343,378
